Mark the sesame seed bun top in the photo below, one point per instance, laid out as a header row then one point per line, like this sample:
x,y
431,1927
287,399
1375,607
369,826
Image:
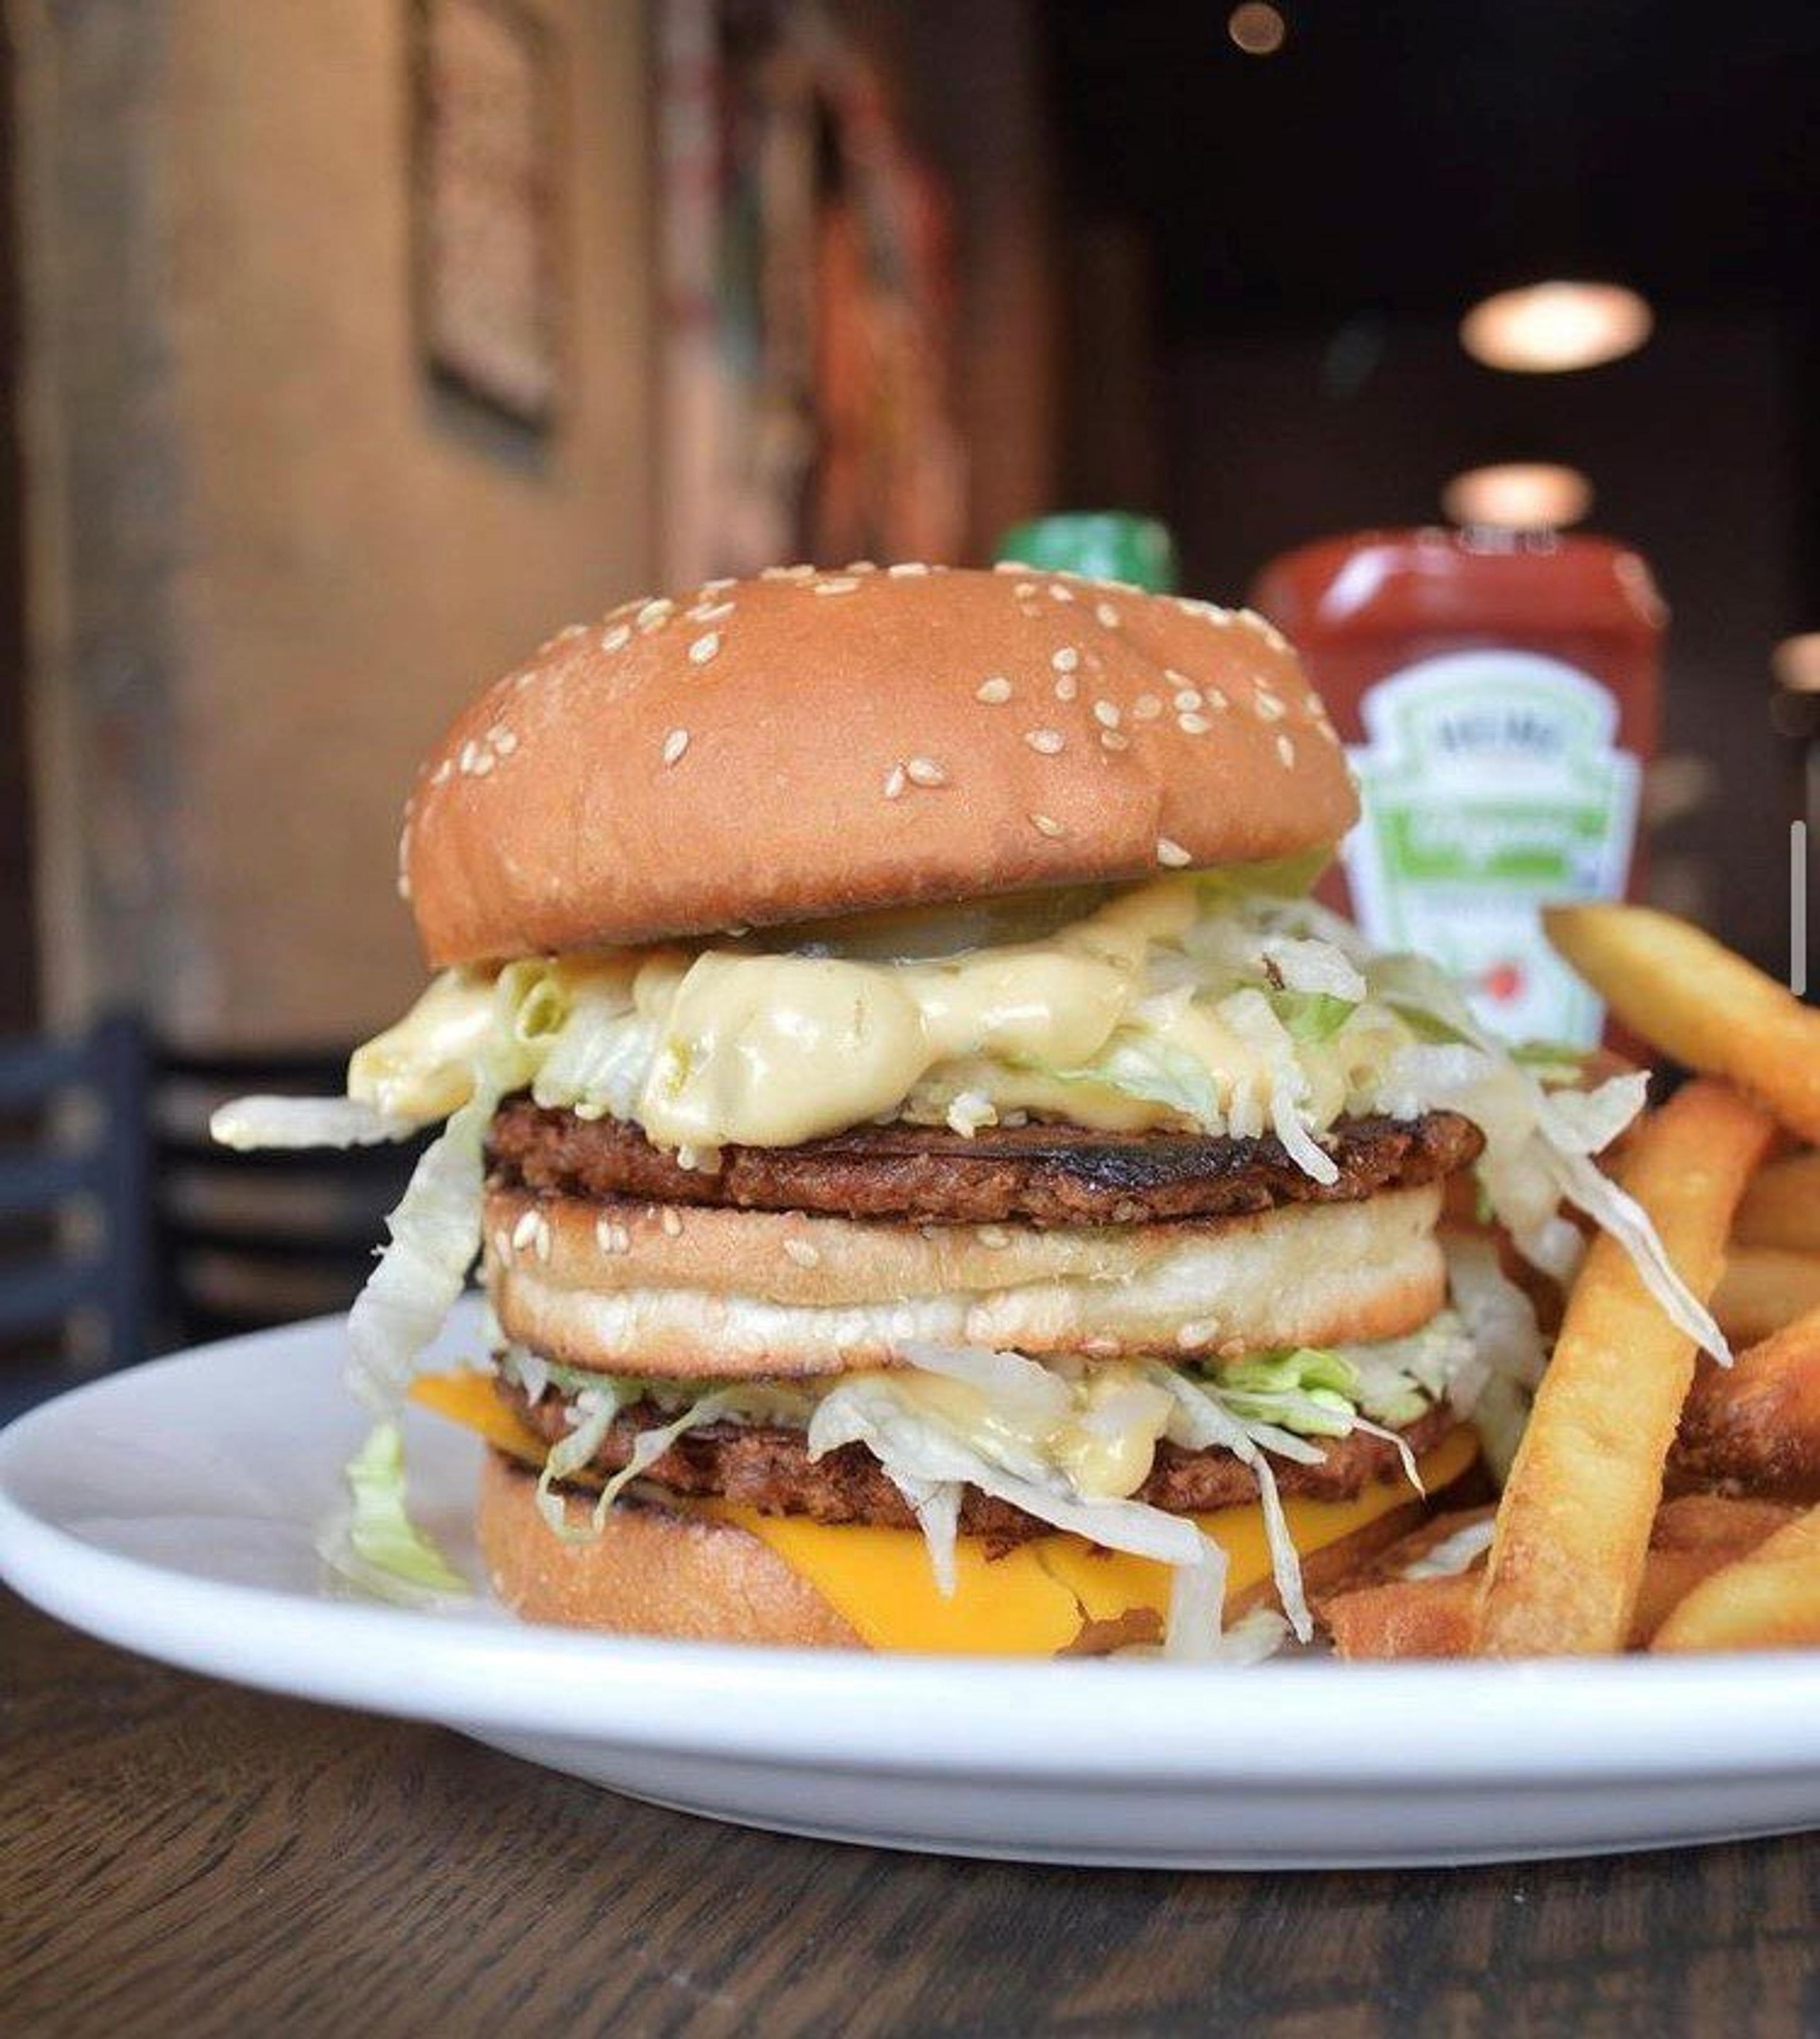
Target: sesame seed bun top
x,y
810,744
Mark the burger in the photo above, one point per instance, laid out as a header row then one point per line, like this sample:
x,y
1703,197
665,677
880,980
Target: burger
x,y
939,1181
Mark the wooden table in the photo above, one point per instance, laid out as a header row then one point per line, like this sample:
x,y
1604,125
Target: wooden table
x,y
181,1857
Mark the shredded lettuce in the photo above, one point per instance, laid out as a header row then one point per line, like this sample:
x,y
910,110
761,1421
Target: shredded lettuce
x,y
375,1545
592,1412
250,1122
1196,1606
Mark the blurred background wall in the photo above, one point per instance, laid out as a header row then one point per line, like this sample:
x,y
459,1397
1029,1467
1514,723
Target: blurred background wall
x,y
272,555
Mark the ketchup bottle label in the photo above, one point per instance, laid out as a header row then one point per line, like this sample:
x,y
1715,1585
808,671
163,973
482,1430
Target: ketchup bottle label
x,y
1492,785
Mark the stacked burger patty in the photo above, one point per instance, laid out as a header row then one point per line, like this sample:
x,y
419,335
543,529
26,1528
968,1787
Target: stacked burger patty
x,y
980,1209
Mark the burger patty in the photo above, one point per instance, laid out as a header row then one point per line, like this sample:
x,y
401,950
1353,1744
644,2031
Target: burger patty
x,y
767,1466
1045,1175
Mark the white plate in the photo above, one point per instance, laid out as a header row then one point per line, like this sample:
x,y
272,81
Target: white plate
x,y
169,1510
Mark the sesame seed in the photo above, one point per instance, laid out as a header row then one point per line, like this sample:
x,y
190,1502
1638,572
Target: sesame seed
x,y
1267,707
1197,1331
704,648
993,691
655,613
710,612
1329,732
505,742
675,744
1066,660
523,679
671,1221
993,1236
716,587
1217,701
1286,750
440,775
801,1252
1114,739
894,782
925,772
1066,687
617,639
1046,741
541,1242
470,750
1058,593
611,1238
1146,708
860,567
525,1230
1106,714
839,585
1025,591
1188,698
484,760
1106,616
1008,566
1046,824
906,569
1172,854
1192,725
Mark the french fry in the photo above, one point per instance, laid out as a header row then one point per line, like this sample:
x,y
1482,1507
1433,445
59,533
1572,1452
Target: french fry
x,y
1763,1289
1755,1425
1767,1600
1690,997
1692,1538
1781,1208
1574,1524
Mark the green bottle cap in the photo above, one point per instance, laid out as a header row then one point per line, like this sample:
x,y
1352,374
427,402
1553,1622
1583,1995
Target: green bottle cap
x,y
1107,545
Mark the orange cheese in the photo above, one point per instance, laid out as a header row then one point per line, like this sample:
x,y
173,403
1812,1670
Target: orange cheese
x,y
1032,1601
465,1395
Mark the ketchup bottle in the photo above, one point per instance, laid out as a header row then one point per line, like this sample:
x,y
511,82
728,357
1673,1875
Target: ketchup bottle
x,y
1498,694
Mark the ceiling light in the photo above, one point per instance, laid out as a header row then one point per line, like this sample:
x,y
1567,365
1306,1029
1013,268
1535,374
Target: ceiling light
x,y
1546,328
1519,496
1257,28
1796,663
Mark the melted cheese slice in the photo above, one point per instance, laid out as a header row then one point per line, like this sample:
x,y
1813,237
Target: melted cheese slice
x,y
1033,1601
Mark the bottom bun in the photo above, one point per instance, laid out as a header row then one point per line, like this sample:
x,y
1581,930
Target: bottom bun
x,y
658,1571
653,1571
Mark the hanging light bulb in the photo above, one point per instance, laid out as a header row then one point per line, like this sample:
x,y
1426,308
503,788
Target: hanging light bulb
x,y
1518,496
1545,328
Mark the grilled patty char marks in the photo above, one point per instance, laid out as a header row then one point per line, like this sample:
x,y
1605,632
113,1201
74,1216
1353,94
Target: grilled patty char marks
x,y
1045,1174
767,1466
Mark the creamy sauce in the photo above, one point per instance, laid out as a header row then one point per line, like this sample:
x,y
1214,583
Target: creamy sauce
x,y
742,1045
1102,1431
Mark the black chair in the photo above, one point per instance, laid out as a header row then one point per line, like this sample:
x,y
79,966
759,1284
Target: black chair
x,y
243,1241
74,1209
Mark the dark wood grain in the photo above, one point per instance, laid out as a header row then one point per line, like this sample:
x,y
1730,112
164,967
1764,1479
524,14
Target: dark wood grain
x,y
180,1857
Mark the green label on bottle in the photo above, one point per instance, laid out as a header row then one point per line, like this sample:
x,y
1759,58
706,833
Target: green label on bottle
x,y
1492,785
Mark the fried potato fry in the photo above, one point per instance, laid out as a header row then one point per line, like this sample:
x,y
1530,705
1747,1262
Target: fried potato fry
x,y
1693,1537
1755,1426
1567,1561
1391,1617
1763,1289
1781,1208
1769,1600
1690,997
